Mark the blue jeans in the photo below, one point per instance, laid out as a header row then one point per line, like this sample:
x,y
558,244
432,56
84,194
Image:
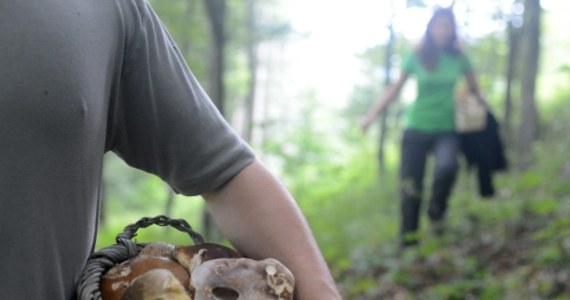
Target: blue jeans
x,y
416,146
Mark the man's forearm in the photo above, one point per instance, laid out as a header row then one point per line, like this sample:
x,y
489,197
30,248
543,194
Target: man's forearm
x,y
260,218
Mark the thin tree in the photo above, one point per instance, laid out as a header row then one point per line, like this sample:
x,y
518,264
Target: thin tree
x,y
252,64
513,34
216,11
169,203
387,82
531,51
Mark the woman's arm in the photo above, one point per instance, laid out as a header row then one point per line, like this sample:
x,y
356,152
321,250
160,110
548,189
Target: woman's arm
x,y
261,219
474,88
383,102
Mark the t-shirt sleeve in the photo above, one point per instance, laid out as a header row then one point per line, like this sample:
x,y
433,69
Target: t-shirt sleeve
x,y
409,62
162,121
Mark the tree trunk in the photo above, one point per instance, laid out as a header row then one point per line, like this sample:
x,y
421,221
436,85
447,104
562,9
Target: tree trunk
x,y
252,62
531,49
185,44
103,203
384,115
216,10
169,204
514,44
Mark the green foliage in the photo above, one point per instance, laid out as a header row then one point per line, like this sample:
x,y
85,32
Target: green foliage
x,y
186,22
130,194
489,57
515,246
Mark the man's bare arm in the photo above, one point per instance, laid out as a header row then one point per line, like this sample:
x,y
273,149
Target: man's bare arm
x,y
261,219
475,90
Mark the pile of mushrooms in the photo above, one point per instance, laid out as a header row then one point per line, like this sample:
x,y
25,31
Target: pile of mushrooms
x,y
201,272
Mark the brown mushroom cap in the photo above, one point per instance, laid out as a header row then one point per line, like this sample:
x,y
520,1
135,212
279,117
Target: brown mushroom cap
x,y
156,284
179,260
192,256
158,249
116,281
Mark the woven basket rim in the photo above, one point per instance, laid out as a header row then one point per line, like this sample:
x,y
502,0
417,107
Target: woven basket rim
x,y
101,261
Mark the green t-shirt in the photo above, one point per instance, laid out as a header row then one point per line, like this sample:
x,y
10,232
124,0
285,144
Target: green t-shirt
x,y
433,109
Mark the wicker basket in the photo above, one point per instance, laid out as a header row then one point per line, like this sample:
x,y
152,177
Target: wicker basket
x,y
101,261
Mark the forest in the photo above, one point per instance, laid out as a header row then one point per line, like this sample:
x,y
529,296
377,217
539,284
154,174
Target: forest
x,y
295,77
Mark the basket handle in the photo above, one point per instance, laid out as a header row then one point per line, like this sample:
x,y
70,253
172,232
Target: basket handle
x,y
130,231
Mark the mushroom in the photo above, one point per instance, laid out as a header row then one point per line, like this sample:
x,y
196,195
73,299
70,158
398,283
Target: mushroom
x,y
156,284
192,256
118,279
158,249
202,272
242,279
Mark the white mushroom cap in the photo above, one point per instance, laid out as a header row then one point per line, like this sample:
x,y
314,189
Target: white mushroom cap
x,y
242,279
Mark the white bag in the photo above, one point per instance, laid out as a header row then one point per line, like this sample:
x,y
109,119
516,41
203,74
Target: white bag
x,y
470,115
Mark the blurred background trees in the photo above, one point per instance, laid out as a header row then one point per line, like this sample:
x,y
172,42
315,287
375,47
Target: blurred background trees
x,y
294,78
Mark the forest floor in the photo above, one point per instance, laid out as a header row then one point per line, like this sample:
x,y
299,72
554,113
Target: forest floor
x,y
527,258
513,246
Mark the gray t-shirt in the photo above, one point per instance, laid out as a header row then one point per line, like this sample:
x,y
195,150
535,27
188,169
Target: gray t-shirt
x,y
79,78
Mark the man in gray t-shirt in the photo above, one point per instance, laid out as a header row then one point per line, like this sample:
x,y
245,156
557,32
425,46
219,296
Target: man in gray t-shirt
x,y
79,78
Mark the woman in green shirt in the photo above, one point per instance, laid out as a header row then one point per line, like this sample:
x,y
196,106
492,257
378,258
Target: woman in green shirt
x,y
437,63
